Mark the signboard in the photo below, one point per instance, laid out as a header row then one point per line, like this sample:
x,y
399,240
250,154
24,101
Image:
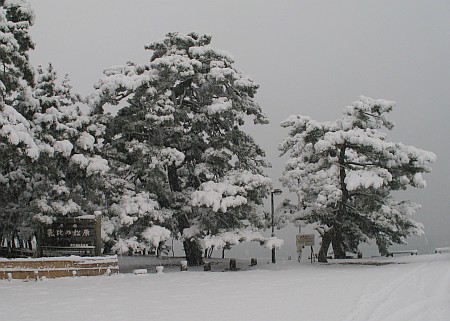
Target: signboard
x,y
305,240
70,236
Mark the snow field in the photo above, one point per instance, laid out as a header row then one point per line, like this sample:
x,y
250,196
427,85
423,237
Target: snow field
x,y
411,288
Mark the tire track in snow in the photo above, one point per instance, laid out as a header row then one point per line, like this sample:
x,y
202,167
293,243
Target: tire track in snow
x,y
435,304
370,303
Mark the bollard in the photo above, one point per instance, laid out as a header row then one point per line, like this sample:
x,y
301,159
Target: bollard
x,y
233,265
9,276
140,271
207,266
74,273
253,262
159,269
183,266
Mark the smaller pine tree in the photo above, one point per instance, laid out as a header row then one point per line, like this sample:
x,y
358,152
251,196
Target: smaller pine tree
x,y
68,175
344,173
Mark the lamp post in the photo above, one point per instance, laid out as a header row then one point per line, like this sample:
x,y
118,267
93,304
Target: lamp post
x,y
276,191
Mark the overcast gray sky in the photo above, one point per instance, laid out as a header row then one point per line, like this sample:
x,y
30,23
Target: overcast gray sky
x,y
310,58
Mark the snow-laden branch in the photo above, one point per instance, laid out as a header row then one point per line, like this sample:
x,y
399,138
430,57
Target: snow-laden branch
x,y
231,192
227,239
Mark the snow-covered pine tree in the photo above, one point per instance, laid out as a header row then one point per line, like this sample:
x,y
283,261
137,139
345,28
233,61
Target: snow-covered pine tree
x,y
68,176
179,136
344,173
17,146
16,17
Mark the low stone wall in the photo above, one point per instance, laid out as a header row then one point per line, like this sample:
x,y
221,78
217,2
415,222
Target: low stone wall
x,y
56,267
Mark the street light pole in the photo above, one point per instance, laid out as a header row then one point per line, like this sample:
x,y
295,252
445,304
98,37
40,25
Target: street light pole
x,y
276,192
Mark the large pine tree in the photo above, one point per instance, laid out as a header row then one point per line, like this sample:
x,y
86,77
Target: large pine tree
x,y
344,173
179,137
17,145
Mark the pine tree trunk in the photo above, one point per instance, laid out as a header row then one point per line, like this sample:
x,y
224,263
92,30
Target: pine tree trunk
x,y
337,239
326,241
383,247
338,244
192,248
174,181
193,251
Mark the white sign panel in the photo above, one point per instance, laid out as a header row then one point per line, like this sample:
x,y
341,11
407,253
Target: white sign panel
x,y
305,240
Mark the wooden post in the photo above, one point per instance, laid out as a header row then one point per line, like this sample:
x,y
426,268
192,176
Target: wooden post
x,y
40,231
98,236
233,265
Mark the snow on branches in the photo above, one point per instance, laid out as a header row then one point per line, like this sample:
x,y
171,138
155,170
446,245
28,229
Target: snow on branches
x,y
230,238
16,130
132,206
230,192
156,235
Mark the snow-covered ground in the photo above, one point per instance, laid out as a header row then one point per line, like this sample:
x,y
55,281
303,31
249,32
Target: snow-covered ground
x,y
409,288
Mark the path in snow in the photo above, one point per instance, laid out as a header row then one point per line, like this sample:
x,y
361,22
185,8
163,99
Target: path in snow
x,y
418,290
